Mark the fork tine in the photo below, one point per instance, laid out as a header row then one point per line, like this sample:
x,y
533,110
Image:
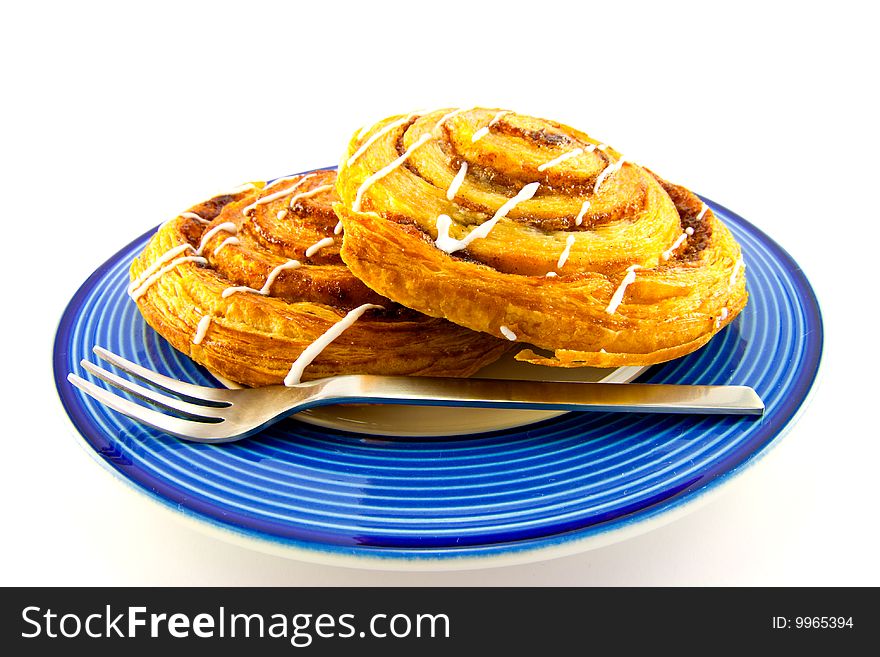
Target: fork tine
x,y
188,429
188,391
173,404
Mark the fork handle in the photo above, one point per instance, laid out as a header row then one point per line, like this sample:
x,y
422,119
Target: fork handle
x,y
543,395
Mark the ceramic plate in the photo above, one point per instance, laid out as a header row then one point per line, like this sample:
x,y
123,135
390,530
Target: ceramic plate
x,y
448,492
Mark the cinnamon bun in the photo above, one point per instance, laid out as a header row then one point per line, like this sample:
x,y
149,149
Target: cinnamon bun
x,y
250,284
536,233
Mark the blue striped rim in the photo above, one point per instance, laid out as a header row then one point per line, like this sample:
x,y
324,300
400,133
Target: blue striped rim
x,y
559,480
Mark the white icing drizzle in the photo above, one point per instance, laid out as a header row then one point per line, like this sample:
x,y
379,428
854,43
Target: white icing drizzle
x,y
444,241
507,333
602,351
736,268
278,181
202,329
281,214
724,313
702,212
290,264
449,244
338,228
551,274
446,117
232,239
456,182
590,148
193,215
313,350
276,195
578,220
137,293
565,253
381,133
309,194
617,298
229,291
602,147
226,227
384,171
241,188
317,246
482,132
614,167
562,158
667,254
498,117
479,134
689,231
161,260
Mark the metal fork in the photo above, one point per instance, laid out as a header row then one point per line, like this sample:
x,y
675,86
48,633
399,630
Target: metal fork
x,y
214,415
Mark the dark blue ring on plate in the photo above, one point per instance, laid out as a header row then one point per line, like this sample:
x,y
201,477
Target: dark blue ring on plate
x,y
540,486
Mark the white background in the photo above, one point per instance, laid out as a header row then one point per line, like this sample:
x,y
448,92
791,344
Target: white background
x,y
116,117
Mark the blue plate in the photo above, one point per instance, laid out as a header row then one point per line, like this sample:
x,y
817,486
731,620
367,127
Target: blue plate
x,y
555,487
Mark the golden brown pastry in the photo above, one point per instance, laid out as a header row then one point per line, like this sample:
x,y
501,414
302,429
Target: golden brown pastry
x,y
250,285
533,231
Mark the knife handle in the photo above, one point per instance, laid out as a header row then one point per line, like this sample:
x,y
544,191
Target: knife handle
x,y
541,395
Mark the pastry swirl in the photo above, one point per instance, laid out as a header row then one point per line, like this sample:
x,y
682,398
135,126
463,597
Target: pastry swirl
x,y
250,283
533,231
